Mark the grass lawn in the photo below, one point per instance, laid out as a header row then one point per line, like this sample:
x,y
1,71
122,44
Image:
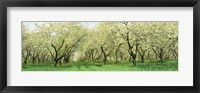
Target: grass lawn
x,y
91,66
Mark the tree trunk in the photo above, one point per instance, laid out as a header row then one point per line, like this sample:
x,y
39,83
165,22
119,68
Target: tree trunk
x,y
161,55
133,56
25,61
60,63
66,58
115,57
105,60
56,62
116,52
33,60
142,58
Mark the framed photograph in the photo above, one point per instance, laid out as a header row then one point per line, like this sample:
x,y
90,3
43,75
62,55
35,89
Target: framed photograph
x,y
136,46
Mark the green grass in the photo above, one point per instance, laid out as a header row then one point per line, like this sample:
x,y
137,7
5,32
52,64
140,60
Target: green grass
x,y
91,66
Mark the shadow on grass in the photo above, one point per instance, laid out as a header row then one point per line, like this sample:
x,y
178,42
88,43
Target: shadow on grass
x,y
94,66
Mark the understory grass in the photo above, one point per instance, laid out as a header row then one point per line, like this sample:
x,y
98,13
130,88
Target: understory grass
x,y
94,66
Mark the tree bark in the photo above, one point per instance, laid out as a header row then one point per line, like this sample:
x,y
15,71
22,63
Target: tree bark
x,y
104,54
133,56
116,53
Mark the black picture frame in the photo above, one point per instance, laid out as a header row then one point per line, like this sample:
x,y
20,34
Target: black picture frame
x,y
100,3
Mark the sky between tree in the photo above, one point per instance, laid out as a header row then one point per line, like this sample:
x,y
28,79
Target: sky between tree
x,y
33,28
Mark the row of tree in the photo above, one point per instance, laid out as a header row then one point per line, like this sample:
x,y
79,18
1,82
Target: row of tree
x,y
62,42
